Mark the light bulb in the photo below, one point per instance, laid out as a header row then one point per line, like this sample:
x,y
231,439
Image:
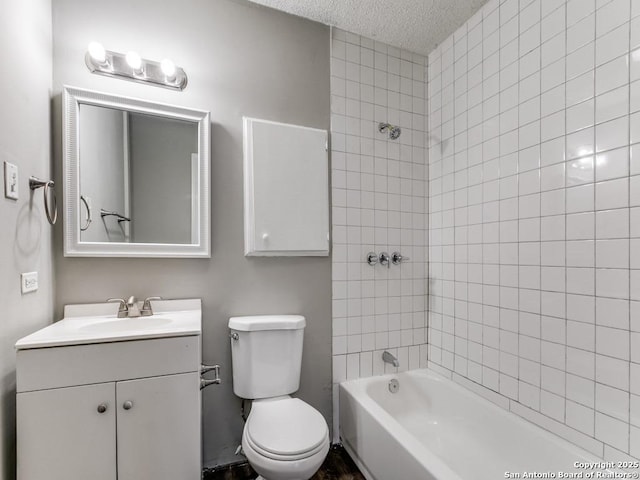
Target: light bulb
x,y
168,68
97,52
134,61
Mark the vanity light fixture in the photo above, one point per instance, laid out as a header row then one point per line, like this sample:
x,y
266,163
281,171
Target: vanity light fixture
x,y
131,66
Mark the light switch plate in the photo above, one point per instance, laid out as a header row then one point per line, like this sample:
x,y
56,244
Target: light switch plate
x,y
29,282
10,181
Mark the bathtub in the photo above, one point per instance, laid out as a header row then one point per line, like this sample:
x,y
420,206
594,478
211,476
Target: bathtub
x,y
433,428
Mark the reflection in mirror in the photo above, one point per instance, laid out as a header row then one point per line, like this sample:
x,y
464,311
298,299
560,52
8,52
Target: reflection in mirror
x,y
138,176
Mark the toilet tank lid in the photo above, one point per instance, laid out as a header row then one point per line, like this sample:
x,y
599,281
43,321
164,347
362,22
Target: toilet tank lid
x,y
267,322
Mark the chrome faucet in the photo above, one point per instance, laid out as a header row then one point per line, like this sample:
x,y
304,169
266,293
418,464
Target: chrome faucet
x,y
389,358
132,307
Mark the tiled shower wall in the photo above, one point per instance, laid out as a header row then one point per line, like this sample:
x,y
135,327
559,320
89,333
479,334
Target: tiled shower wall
x,y
535,214
379,204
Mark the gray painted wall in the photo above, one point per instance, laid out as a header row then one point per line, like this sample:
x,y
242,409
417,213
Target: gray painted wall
x,y
102,172
241,60
161,150
25,235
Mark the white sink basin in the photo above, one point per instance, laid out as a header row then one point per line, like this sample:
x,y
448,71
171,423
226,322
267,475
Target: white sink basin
x,y
98,323
126,324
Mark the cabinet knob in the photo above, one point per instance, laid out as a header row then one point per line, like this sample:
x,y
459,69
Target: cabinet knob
x,y
102,408
128,405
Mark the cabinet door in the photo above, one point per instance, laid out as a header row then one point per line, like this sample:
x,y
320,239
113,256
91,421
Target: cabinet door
x,y
286,189
62,434
159,430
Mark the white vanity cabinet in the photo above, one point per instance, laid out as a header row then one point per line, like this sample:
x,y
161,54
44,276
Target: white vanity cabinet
x,y
61,435
159,436
113,410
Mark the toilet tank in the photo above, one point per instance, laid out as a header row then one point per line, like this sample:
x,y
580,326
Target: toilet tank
x,y
266,354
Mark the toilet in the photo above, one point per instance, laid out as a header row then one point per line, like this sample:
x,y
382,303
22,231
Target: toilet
x,y
284,438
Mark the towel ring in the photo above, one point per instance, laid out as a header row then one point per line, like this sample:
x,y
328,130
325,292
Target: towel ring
x,y
34,184
89,219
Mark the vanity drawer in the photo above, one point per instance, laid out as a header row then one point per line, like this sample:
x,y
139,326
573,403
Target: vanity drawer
x,y
55,367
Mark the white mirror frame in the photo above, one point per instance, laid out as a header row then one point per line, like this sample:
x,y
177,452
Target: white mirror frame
x,y
72,99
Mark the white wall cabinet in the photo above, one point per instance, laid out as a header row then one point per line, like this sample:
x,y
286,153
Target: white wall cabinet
x,y
286,189
144,428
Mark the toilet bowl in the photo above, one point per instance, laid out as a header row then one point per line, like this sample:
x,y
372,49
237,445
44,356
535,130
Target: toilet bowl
x,y
284,438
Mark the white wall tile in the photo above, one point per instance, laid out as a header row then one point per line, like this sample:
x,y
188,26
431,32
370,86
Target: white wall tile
x,y
534,199
612,134
579,417
612,74
611,15
612,431
613,372
379,200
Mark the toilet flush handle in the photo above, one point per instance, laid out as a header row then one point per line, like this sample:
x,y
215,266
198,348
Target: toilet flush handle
x,y
234,336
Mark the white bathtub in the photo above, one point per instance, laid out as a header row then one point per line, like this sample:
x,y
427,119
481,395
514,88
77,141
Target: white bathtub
x,y
433,428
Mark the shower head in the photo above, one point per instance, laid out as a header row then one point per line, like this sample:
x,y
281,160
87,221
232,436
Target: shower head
x,y
394,132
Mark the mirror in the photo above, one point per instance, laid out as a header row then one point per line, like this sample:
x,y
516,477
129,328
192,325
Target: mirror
x,y
136,177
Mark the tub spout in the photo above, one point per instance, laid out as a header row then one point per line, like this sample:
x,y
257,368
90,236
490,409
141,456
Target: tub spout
x,y
389,358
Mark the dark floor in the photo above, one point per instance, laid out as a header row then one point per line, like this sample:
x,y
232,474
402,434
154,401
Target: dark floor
x,y
337,466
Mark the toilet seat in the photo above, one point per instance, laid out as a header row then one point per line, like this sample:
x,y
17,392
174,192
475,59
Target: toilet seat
x,y
285,429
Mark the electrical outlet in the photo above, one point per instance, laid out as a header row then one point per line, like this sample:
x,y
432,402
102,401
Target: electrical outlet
x,y
10,181
29,282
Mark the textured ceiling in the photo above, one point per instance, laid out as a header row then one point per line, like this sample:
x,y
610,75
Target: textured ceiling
x,y
415,25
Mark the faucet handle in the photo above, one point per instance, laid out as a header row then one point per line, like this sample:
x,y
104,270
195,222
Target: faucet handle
x,y
146,306
397,258
123,308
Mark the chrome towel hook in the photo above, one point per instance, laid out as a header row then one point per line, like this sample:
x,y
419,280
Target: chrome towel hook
x,y
121,218
88,219
34,184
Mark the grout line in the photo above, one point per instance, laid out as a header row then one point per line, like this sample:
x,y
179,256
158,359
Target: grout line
x,y
629,413
595,258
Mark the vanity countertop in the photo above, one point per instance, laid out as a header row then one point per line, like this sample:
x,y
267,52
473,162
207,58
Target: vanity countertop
x,y
98,323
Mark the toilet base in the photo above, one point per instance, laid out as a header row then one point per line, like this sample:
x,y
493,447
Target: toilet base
x,y
302,469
